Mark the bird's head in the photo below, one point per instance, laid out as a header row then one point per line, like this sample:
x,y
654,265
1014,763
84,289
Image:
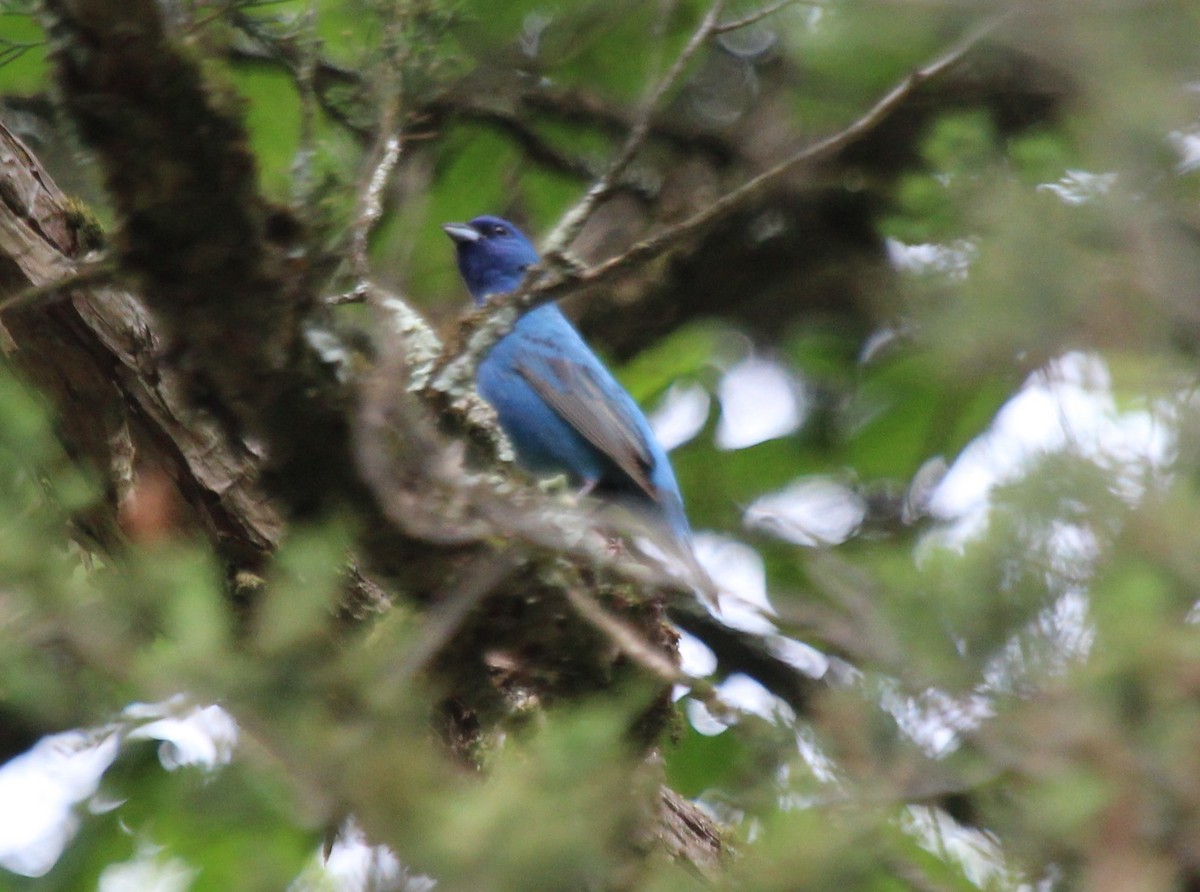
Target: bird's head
x,y
492,255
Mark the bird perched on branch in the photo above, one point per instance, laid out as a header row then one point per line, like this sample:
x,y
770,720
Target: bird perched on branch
x,y
562,409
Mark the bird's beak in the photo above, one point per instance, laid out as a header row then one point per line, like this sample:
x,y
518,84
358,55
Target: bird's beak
x,y
461,232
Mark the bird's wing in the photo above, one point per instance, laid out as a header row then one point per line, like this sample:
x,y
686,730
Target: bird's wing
x,y
605,422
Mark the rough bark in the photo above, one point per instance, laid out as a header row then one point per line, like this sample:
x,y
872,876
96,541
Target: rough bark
x,y
96,355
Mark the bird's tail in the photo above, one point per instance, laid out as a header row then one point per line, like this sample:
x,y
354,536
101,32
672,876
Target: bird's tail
x,y
675,555
666,543
695,575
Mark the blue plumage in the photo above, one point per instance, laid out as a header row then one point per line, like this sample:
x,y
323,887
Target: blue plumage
x,y
561,408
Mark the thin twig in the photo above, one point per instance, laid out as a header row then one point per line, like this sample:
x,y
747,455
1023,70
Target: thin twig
x,y
630,642
360,292
91,274
534,145
371,204
581,107
385,153
477,581
627,639
658,34
573,220
12,50
757,16
272,47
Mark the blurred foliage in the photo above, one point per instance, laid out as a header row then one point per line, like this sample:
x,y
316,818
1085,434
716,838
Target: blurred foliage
x,y
1021,711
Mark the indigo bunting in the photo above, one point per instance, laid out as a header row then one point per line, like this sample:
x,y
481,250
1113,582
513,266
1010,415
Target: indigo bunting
x,y
562,409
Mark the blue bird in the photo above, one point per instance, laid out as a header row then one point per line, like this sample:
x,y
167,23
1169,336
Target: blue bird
x,y
562,409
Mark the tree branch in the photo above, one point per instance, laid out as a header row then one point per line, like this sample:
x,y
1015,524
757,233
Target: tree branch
x,y
99,272
386,152
483,327
753,18
574,219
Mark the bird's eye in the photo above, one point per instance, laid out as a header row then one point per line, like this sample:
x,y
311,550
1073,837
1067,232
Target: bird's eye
x,y
499,230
